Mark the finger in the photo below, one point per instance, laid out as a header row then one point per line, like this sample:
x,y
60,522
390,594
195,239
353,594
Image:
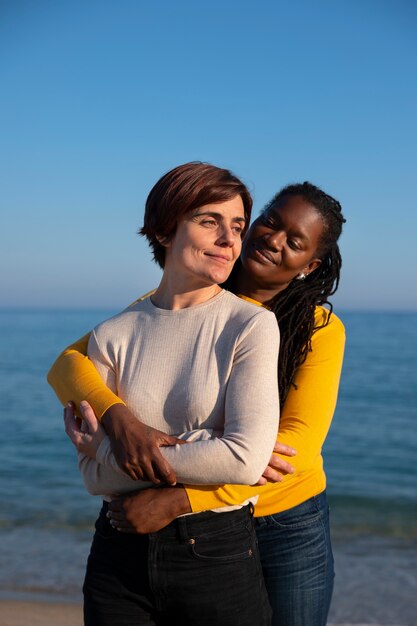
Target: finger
x,y
272,475
82,441
115,506
261,481
118,516
89,416
132,471
148,470
68,415
136,473
279,464
163,469
70,420
120,524
130,466
71,427
281,448
169,440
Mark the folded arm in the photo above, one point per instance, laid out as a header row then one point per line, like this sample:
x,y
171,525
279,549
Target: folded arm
x,y
251,417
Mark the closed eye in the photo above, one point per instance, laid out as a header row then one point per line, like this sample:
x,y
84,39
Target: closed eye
x,y
268,221
295,245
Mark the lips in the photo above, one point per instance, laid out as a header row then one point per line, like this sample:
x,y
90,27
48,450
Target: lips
x,y
220,258
262,254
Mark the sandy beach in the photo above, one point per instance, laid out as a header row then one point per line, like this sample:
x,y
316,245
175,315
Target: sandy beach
x,y
20,613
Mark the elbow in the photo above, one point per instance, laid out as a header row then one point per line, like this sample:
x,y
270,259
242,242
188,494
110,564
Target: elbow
x,y
247,474
50,377
90,475
92,488
92,485
249,463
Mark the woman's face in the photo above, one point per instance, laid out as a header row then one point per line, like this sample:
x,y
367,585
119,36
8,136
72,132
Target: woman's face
x,y
207,243
282,243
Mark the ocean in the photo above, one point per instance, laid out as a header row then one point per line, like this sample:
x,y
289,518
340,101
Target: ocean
x,y
46,518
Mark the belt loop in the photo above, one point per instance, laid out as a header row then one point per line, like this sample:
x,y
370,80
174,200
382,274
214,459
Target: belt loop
x,y
182,528
251,509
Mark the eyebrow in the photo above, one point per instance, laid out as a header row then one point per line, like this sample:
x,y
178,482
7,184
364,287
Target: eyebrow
x,y
219,216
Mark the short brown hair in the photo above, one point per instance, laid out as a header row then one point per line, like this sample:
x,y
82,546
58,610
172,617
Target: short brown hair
x,y
183,189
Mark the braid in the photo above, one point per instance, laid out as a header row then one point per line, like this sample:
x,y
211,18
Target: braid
x,y
294,307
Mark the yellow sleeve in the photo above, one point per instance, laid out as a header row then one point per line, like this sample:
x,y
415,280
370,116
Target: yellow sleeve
x,y
74,377
305,417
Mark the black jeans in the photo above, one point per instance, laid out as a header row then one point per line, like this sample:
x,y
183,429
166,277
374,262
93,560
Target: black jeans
x,y
202,569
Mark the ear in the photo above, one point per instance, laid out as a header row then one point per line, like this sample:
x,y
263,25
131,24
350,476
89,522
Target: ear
x,y
164,241
313,265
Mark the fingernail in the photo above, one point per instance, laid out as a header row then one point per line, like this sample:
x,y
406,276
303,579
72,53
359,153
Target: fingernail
x,y
108,514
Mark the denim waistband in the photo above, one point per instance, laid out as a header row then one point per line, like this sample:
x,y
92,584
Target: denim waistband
x,y
207,522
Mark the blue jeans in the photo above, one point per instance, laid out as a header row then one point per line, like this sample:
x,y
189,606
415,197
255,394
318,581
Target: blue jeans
x,y
201,570
297,562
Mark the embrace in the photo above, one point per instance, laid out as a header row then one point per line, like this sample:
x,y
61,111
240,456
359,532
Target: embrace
x,y
205,406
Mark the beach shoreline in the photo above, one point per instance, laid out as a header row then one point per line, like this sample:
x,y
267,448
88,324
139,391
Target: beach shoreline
x,y
36,613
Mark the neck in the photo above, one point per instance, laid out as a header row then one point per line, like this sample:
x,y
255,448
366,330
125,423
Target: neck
x,y
172,296
247,286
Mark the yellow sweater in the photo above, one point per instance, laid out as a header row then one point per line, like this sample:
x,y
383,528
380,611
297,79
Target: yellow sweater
x,y
304,424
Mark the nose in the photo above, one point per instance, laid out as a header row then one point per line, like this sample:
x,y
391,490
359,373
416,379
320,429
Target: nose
x,y
275,240
227,237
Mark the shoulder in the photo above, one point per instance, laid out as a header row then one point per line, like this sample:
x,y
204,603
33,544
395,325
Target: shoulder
x,y
144,297
332,322
247,310
122,323
330,333
250,321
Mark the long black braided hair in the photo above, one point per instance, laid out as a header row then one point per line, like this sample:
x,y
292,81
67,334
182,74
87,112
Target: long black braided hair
x,y
294,307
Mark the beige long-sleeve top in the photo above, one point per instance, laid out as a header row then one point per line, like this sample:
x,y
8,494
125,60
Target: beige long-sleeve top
x,y
212,366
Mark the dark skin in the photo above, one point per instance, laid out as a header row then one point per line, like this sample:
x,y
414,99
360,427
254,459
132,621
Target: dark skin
x,y
136,446
279,247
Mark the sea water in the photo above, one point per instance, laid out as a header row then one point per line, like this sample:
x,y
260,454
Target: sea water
x,y
46,517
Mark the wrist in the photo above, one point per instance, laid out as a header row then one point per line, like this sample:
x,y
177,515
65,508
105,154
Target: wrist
x,y
116,418
180,499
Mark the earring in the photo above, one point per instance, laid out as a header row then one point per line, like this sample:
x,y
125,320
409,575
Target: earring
x,y
300,276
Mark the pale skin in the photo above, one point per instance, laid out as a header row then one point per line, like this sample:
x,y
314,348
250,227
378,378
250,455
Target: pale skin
x,y
278,249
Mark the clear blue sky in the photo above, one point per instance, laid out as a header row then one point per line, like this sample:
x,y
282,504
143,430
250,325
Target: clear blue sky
x,y
100,97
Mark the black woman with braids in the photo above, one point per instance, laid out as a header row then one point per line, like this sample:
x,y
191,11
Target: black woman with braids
x,y
290,264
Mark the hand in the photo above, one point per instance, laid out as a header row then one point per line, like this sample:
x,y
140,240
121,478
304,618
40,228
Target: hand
x,y
277,466
136,446
86,434
148,511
